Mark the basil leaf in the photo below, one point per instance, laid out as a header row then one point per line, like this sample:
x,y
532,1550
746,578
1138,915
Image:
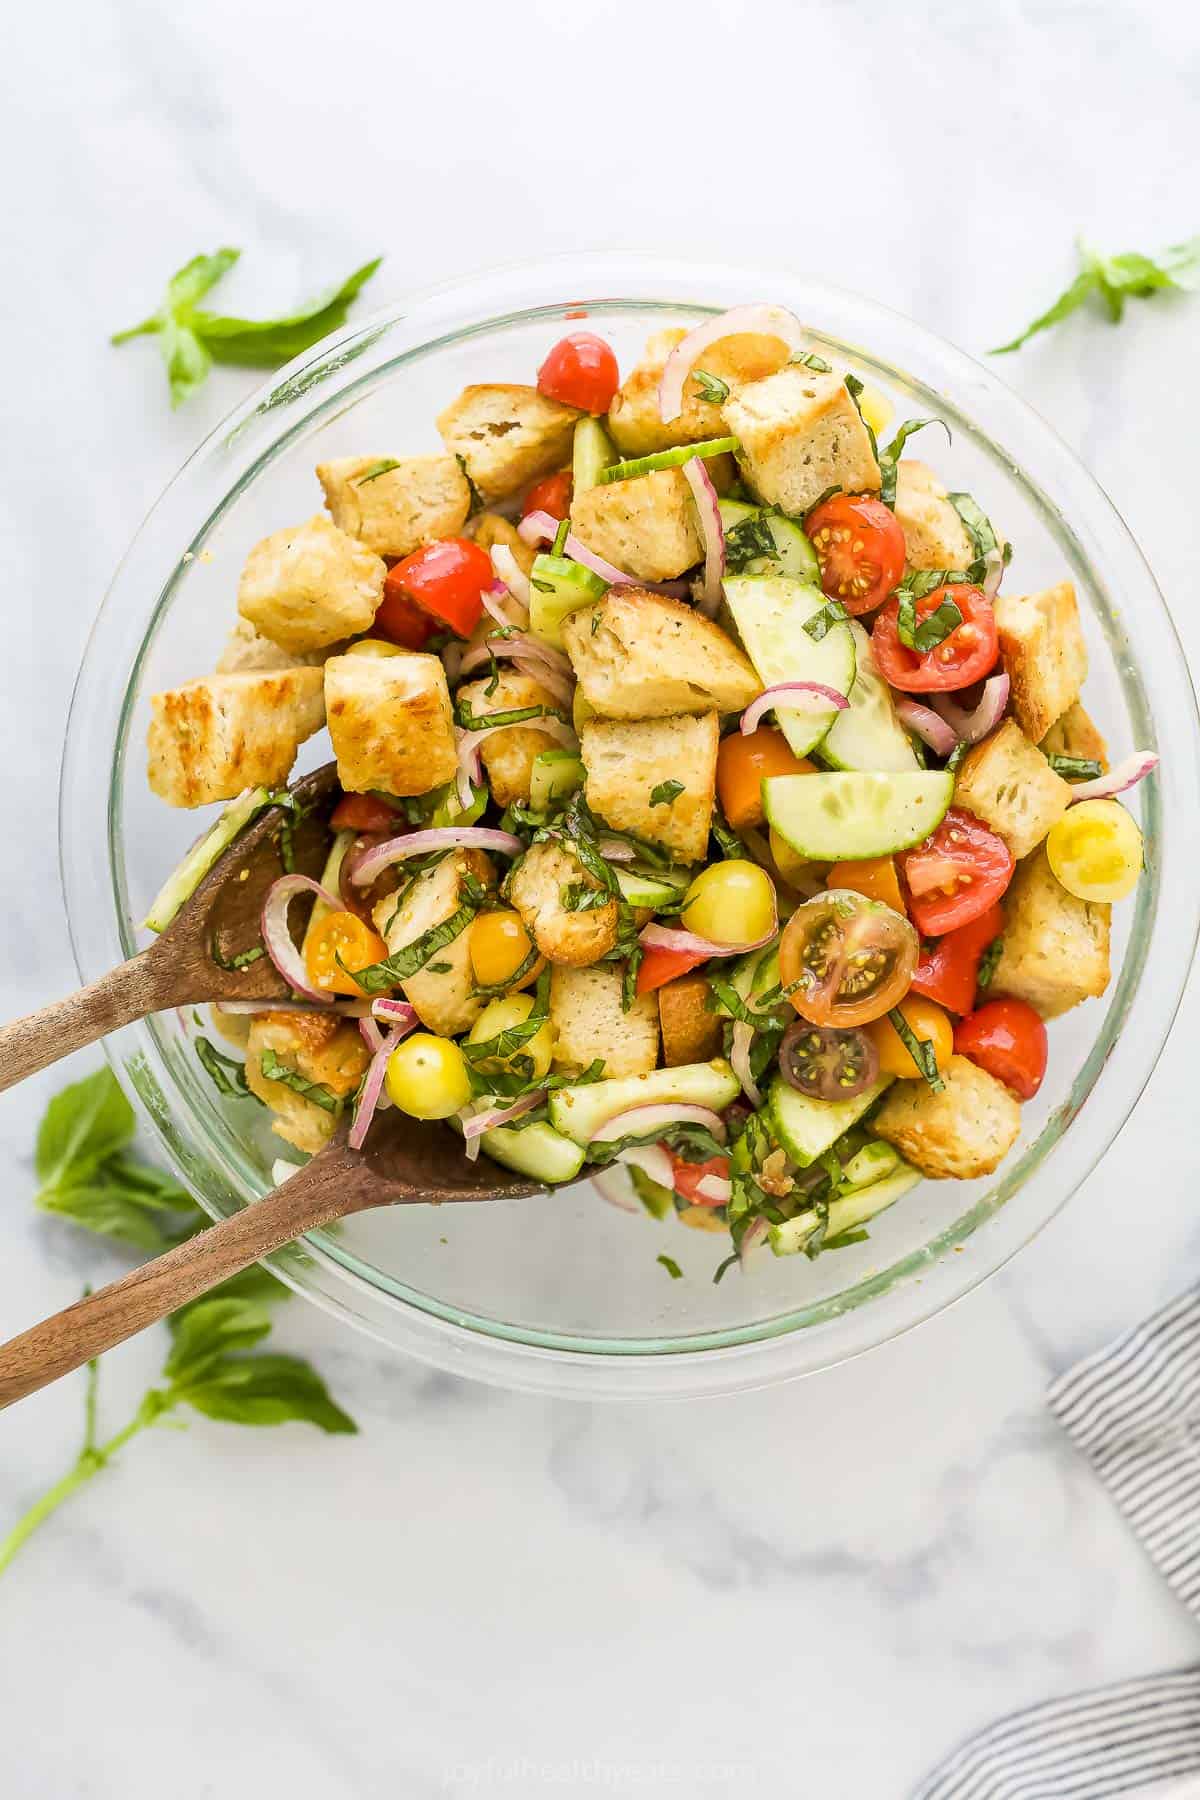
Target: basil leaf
x,y
576,896
316,1091
889,459
831,614
267,1389
671,1266
956,755
560,540
1114,279
403,963
128,1202
227,1075
666,793
710,387
920,1049
82,1125
516,715
242,960
728,841
384,466
855,388
987,964
1074,768
476,502
978,526
809,359
209,1329
501,1047
748,540
931,631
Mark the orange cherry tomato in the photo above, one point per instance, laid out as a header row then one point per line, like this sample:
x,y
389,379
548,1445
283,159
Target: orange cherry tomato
x,y
552,494
658,966
341,938
844,960
363,812
689,1175
925,1020
446,579
581,371
399,619
860,546
742,763
947,971
875,877
1008,1039
499,944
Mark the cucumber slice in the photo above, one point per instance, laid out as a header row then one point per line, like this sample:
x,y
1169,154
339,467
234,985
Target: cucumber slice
x,y
555,775
770,612
845,1213
869,735
871,1163
579,1112
183,882
331,878
539,1152
668,459
658,1201
806,1127
793,554
581,711
648,890
557,588
592,452
841,817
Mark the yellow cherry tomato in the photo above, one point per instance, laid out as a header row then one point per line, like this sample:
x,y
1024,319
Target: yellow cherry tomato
x,y
875,407
375,647
499,944
427,1077
341,935
501,1016
1095,850
731,903
925,1020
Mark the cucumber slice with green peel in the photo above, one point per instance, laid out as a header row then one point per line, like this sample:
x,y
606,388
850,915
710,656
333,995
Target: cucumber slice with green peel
x,y
869,735
668,459
593,451
557,588
658,1201
648,890
842,816
845,1213
539,1152
183,882
555,775
870,1164
807,1127
790,554
770,612
579,1112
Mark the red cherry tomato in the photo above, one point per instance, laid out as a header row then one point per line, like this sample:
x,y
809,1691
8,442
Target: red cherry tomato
x,y
689,1175
446,580
363,812
581,371
660,966
552,494
966,654
1008,1039
399,618
860,546
946,973
956,874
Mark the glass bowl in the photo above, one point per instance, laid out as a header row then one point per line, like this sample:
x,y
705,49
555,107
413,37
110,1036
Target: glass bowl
x,y
563,1293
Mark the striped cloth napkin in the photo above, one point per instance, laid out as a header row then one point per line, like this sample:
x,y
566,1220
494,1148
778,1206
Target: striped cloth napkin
x,y
1133,1409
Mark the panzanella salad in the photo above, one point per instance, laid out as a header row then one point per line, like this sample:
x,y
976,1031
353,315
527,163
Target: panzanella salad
x,y
712,817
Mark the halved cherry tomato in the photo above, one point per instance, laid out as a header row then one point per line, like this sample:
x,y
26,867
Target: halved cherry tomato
x,y
966,654
689,1175
446,579
924,1020
363,812
946,972
552,494
875,877
581,371
844,960
956,874
341,938
659,966
399,618
860,546
741,764
1008,1039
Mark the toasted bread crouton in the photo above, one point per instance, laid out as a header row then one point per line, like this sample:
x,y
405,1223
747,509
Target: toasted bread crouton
x,y
324,1050
390,722
1042,646
934,535
800,433
586,1016
1075,734
395,510
1007,782
634,421
247,651
690,1032
535,888
507,436
309,585
508,754
488,528
211,738
444,997
647,526
643,656
966,1130
626,760
1055,948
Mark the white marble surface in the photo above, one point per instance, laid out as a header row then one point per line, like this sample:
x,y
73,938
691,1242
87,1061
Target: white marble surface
x,y
810,1592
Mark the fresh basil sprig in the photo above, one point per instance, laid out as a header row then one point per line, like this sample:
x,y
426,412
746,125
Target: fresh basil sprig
x,y
1115,279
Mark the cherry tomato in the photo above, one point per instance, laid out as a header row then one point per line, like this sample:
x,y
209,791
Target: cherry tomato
x,y
657,967
860,546
1095,850
875,877
956,874
850,958
828,1064
741,764
341,938
966,654
399,618
499,944
363,812
689,1175
731,902
552,494
446,579
1008,1039
581,371
947,971
925,1020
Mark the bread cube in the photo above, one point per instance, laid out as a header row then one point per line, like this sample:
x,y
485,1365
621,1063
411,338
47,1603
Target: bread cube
x,y
391,722
507,436
634,422
800,433
643,656
690,1032
586,1016
934,535
648,526
965,1131
508,755
1055,948
246,651
443,992
535,888
325,1050
1041,642
1076,734
309,585
211,738
394,511
1007,782
626,760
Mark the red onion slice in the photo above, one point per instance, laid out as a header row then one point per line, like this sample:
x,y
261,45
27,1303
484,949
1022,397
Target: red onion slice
x,y
971,726
1126,775
513,617
739,1061
368,1100
532,657
615,1184
615,850
394,1012
371,864
541,528
653,1161
665,937
769,321
371,1035
644,1121
794,696
705,496
929,726
492,1117
276,937
511,573
715,1187
754,1235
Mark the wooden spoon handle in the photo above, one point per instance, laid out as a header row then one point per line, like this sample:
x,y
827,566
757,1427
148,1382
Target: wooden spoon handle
x,y
124,994
316,1194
